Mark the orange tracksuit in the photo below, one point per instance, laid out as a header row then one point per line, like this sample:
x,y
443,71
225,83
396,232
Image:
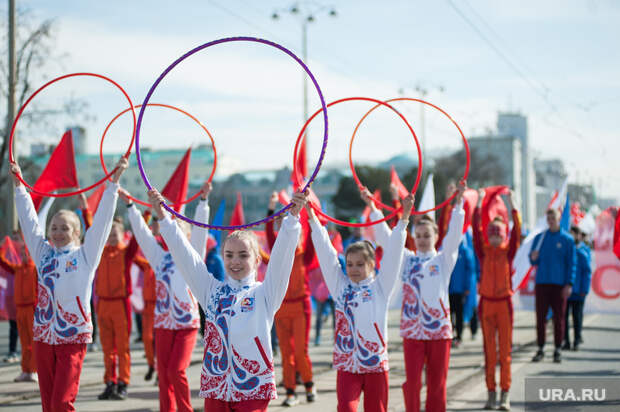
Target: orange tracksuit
x,y
148,314
495,307
292,320
113,287
25,299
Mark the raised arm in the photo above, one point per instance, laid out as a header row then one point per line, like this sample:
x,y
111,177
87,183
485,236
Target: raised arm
x,y
515,236
452,240
87,215
327,255
282,255
142,233
28,220
382,231
97,235
476,225
200,234
393,257
189,262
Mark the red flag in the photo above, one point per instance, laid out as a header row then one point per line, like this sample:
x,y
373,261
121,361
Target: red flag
x,y
59,173
10,251
313,198
94,198
576,213
176,188
395,180
492,206
302,164
366,212
470,199
617,235
237,217
283,197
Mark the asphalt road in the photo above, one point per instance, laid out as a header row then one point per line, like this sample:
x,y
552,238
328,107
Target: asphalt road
x,y
599,356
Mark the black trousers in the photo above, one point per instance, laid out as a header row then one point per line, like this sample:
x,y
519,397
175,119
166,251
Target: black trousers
x,y
576,308
456,314
93,317
13,336
473,321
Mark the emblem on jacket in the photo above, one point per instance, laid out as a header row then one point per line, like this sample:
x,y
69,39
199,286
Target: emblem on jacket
x,y
433,270
71,265
247,304
366,295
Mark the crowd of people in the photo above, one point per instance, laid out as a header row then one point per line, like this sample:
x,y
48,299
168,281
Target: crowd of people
x,y
68,283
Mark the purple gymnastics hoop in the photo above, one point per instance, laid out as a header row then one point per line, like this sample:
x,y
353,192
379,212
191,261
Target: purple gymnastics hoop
x,y
185,56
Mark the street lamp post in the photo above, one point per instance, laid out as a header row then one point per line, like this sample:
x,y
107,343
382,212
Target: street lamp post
x,y
305,17
422,91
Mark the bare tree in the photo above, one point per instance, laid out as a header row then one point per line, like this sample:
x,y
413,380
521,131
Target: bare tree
x,y
35,56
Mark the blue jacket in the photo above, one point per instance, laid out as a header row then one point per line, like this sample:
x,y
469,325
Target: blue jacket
x,y
464,270
583,273
557,258
215,264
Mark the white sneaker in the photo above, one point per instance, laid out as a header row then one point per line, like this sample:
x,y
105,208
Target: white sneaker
x,y
32,377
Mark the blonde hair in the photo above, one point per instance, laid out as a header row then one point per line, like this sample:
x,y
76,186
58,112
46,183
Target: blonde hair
x,y
244,235
73,219
427,220
364,247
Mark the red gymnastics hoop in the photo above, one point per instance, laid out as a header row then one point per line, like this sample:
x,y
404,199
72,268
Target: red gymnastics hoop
x,y
138,201
21,110
464,178
297,178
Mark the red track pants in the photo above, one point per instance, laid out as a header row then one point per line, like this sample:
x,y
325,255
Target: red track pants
x,y
255,405
349,387
59,368
174,351
148,317
436,355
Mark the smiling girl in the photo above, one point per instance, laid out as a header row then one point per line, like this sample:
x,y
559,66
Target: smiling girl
x,y
425,318
360,345
237,371
62,320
